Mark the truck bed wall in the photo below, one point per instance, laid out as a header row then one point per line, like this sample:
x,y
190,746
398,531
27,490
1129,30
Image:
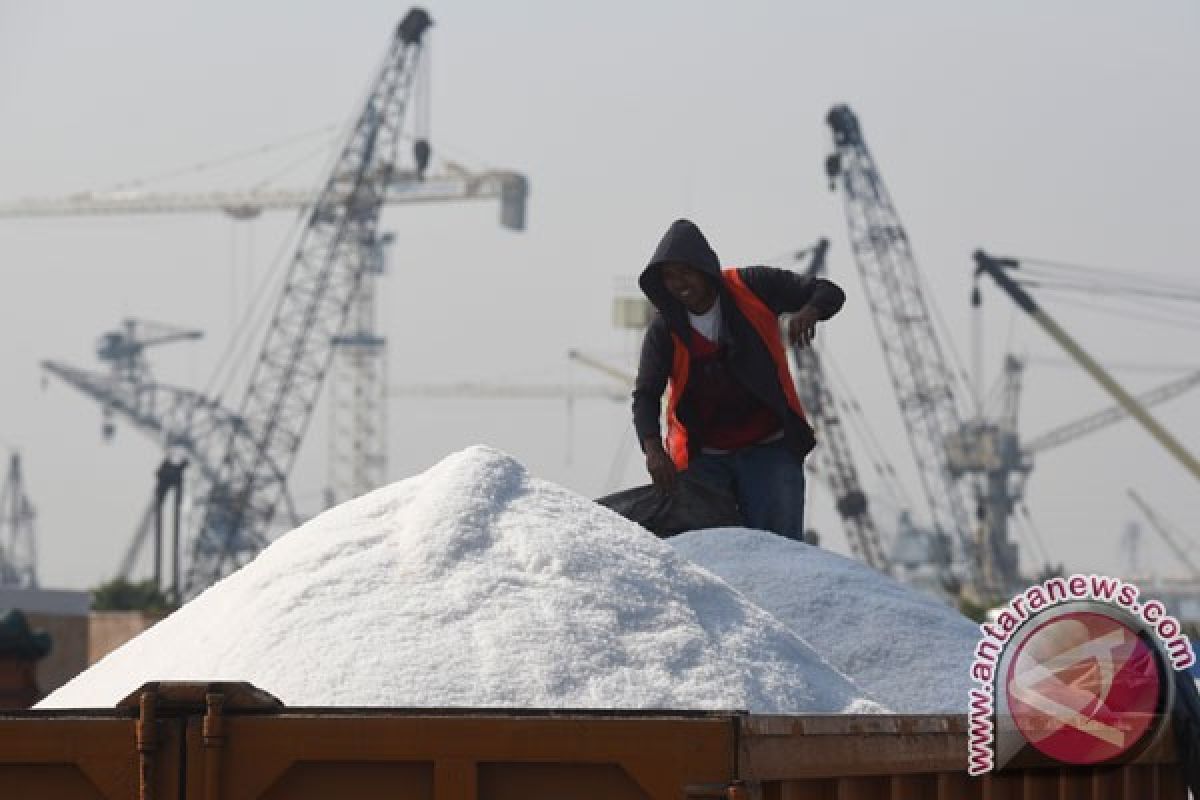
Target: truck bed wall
x,y
221,749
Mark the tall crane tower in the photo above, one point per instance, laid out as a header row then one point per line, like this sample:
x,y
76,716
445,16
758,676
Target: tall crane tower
x,y
834,458
917,362
18,540
335,252
358,448
242,458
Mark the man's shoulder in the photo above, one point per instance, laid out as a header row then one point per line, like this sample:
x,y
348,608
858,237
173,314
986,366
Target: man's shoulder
x,y
658,332
761,281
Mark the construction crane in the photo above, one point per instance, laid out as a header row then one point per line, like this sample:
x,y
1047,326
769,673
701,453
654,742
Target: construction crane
x,y
358,446
997,268
176,418
1110,416
124,351
358,438
452,182
987,448
517,391
1174,539
335,251
917,363
18,538
834,458
243,458
616,373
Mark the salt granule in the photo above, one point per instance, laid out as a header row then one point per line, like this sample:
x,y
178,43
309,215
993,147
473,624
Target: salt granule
x,y
910,651
474,584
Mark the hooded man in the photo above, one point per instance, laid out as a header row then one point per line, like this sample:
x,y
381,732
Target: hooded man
x,y
733,418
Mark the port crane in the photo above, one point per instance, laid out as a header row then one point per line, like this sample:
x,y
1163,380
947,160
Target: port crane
x,y
358,447
242,457
917,362
18,539
834,459
998,269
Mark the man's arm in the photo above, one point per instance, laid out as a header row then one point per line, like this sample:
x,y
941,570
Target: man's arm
x,y
784,291
654,368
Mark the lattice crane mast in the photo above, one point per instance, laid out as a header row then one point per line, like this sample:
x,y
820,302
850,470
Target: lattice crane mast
x,y
18,539
243,457
834,458
335,251
920,372
1110,416
358,448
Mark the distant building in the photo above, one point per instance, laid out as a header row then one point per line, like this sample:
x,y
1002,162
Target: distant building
x,y
78,637
20,650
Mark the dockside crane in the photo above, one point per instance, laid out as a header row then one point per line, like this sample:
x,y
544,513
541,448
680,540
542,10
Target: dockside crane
x,y
451,182
358,412
917,362
1110,416
124,351
242,458
335,251
834,458
18,539
998,269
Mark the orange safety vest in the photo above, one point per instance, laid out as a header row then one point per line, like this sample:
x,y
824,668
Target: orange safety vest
x,y
765,323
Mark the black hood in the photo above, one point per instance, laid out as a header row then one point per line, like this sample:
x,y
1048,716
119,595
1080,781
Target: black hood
x,y
683,243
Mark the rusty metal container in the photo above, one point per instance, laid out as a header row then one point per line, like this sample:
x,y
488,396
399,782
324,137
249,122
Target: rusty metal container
x,y
227,741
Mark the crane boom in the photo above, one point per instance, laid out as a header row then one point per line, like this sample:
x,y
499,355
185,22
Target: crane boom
x,y
916,361
508,390
453,184
616,373
172,416
334,252
995,267
1111,415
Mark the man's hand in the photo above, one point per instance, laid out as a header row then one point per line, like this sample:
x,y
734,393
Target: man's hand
x,y
802,326
659,465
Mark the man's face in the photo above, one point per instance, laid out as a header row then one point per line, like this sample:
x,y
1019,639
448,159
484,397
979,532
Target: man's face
x,y
689,286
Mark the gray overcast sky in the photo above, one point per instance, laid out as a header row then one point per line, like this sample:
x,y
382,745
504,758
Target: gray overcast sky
x,y
1056,129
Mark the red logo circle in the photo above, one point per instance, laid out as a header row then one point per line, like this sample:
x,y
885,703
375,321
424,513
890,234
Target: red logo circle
x,y
1084,688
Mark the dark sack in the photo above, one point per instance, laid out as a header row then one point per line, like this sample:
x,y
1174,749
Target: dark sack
x,y
691,506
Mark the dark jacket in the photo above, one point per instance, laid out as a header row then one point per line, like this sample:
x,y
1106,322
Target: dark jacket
x,y
747,355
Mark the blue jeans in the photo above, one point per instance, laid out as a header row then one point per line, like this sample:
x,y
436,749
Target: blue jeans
x,y
768,481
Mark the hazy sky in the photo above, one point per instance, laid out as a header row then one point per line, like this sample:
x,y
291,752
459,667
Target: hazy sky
x,y
1063,130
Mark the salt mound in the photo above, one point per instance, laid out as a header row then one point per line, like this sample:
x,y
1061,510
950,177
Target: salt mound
x,y
908,650
474,584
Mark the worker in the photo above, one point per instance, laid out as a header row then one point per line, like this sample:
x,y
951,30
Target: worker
x,y
734,421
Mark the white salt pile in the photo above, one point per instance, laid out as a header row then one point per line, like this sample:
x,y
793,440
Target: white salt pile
x,y
911,652
474,584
